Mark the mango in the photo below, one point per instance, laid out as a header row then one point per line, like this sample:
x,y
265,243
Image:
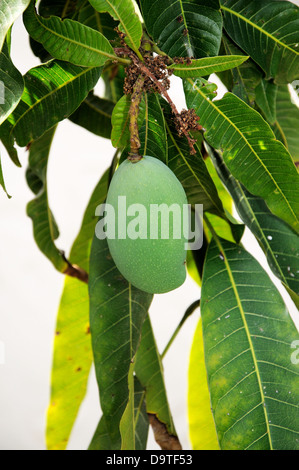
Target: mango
x,y
148,240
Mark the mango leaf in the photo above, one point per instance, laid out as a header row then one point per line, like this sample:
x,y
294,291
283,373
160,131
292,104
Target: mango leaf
x,y
120,135
101,22
278,241
94,114
202,430
249,148
101,441
10,11
248,335
55,86
182,28
149,370
11,84
2,183
287,121
190,169
71,366
7,140
123,11
241,80
206,66
267,31
117,312
44,226
69,40
127,422
265,98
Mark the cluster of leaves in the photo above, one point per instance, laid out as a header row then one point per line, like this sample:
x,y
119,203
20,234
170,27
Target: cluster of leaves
x,y
246,155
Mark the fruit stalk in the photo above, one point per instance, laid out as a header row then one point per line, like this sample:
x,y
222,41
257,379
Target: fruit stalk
x,y
134,112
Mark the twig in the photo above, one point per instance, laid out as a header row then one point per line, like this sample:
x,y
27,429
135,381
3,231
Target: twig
x,y
165,440
134,112
73,270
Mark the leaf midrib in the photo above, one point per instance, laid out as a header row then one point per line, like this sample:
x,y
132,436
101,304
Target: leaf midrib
x,y
247,143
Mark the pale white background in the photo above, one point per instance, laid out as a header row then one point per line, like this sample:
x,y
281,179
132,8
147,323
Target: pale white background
x,y
30,288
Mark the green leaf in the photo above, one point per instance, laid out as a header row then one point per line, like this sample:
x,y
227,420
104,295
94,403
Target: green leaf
x,y
190,169
8,142
70,368
129,23
242,80
287,122
267,31
101,22
69,40
248,336
11,85
249,148
10,11
127,422
202,430
44,226
207,66
183,28
149,371
117,312
265,98
2,183
278,241
52,93
120,135
94,114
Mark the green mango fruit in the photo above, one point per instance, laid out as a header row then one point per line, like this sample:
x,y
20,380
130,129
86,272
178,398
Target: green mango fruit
x,y
149,247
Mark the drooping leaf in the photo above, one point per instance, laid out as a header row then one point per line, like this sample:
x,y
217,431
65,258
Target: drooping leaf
x,y
10,11
242,80
120,135
127,422
207,66
72,356
278,241
265,98
103,22
249,147
183,28
69,40
44,226
7,140
94,114
267,31
123,11
117,312
202,430
190,169
287,122
248,334
52,93
2,183
149,371
11,84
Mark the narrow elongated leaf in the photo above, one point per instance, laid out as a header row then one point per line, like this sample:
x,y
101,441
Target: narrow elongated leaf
x,y
2,183
250,149
265,98
10,11
287,122
149,371
127,422
206,66
120,135
183,28
278,241
267,31
44,227
242,80
248,335
124,12
94,114
11,85
71,365
117,312
190,169
69,40
202,430
52,93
